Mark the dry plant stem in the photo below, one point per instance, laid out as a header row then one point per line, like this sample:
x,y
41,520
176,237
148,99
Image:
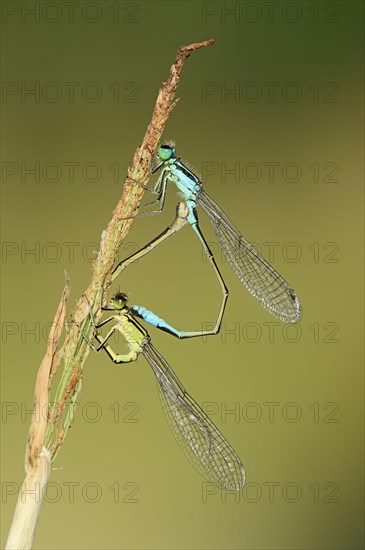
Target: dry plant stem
x,y
75,347
37,457
29,503
47,432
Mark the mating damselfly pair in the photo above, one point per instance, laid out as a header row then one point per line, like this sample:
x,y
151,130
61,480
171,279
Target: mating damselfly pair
x,y
199,438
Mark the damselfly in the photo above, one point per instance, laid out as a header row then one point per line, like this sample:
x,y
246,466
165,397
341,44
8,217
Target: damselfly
x,y
259,277
199,438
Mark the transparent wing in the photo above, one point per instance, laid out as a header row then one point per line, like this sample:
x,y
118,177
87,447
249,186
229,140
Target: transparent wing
x,y
258,276
200,440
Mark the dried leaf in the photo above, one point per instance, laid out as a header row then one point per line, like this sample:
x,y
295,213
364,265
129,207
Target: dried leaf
x,y
38,424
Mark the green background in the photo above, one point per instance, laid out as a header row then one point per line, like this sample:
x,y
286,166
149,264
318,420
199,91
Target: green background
x,y
133,487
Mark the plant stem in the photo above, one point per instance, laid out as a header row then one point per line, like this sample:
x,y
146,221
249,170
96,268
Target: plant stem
x,y
47,432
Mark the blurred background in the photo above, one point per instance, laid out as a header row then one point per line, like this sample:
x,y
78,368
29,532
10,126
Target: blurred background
x,y
271,118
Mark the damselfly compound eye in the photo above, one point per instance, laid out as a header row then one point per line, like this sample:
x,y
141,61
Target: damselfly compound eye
x,y
119,300
166,152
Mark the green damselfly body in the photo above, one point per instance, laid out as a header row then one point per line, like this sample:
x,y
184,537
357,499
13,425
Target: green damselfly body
x,y
201,441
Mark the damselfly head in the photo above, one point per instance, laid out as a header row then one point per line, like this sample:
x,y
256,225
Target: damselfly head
x,y
166,152
119,300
